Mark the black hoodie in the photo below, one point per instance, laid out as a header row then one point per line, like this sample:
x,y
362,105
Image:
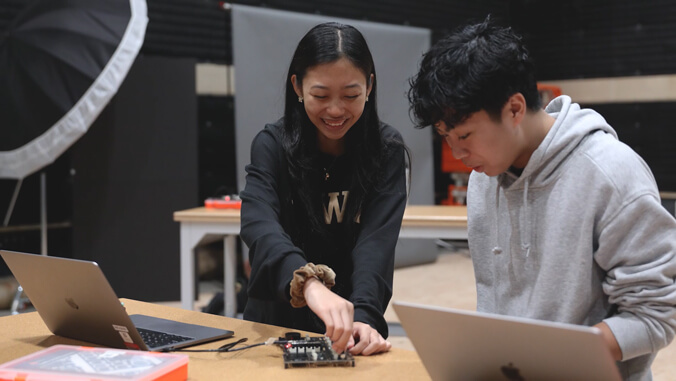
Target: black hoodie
x,y
363,261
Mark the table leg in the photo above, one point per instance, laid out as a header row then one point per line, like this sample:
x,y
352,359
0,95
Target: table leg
x,y
187,268
230,275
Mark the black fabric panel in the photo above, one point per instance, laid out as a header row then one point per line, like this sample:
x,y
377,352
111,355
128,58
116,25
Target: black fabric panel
x,y
216,125
648,129
441,16
188,28
201,28
134,168
573,39
604,38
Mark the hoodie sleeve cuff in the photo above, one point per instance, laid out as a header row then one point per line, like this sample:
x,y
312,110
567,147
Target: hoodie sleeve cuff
x,y
631,334
379,324
290,264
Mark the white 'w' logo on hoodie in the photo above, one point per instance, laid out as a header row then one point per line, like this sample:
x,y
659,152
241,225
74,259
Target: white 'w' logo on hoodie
x,y
335,207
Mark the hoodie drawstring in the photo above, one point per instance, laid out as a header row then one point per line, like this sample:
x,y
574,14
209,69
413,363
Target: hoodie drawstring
x,y
525,223
497,249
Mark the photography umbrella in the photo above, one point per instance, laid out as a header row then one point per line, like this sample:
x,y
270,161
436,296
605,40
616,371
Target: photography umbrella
x,y
61,61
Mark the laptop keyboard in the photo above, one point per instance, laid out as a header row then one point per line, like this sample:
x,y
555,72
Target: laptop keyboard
x,y
155,339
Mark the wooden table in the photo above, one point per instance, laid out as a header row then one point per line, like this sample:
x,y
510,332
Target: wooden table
x,y
204,225
25,333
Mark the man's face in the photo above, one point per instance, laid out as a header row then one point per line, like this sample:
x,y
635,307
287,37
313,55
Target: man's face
x,y
482,143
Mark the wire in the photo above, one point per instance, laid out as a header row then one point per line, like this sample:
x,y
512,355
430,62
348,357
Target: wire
x,y
228,347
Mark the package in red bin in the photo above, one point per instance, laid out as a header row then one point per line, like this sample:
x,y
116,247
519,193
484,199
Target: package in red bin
x,y
76,363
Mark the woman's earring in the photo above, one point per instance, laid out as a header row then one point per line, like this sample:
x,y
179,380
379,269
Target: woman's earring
x,y
367,98
300,99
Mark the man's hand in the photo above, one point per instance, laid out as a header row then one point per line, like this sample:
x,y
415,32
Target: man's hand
x,y
610,340
336,312
370,341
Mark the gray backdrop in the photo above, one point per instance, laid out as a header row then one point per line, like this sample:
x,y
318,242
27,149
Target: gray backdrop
x,y
264,41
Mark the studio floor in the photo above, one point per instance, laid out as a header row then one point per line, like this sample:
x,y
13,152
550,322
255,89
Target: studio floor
x,y
447,282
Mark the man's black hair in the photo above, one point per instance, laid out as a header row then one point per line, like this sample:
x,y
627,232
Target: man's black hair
x,y
476,68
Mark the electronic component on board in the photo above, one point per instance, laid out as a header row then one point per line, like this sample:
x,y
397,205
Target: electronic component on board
x,y
313,352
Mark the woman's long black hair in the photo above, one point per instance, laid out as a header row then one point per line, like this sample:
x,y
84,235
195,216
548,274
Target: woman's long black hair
x,y
364,146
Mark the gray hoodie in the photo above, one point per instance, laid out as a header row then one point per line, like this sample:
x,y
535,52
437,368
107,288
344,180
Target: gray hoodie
x,y
579,237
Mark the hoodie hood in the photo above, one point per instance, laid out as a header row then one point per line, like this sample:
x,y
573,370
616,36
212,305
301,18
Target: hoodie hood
x,y
571,127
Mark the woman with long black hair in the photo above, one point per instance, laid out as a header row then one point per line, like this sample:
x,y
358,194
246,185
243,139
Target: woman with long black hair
x,y
324,199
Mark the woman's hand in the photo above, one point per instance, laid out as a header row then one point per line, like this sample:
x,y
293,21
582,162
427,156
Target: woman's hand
x,y
370,341
336,312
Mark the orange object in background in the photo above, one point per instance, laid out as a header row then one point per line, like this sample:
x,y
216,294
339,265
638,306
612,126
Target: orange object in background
x,y
450,164
224,202
457,192
548,92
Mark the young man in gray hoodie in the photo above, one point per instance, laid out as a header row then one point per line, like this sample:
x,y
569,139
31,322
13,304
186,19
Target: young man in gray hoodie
x,y
565,221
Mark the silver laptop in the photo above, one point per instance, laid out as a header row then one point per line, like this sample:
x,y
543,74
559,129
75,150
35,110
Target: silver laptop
x,y
466,345
75,300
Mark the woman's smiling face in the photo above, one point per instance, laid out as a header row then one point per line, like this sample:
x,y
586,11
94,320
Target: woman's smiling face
x,y
334,95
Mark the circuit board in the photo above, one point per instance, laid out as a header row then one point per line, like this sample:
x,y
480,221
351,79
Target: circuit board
x,y
313,352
